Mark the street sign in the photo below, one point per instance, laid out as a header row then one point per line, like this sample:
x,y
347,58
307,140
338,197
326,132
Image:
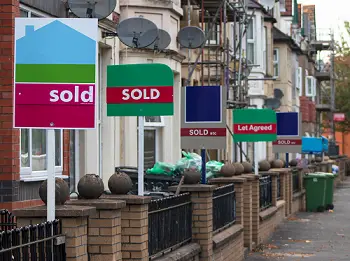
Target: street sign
x,y
253,125
56,72
339,117
203,121
288,133
140,90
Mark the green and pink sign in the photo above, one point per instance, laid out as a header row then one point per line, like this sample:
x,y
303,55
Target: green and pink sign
x,y
140,90
55,73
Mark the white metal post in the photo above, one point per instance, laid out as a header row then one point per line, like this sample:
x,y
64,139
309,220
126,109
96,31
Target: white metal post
x,y
51,186
141,141
256,164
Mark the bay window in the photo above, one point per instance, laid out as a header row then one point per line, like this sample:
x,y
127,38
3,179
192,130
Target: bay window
x,y
251,41
33,155
276,58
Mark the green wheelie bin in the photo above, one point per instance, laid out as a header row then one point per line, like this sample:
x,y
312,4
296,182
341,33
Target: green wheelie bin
x,y
315,187
329,189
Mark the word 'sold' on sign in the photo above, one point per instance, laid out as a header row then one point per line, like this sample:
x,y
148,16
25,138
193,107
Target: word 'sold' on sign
x,y
140,90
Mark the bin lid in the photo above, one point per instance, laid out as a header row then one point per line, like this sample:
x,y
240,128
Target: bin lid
x,y
327,174
315,175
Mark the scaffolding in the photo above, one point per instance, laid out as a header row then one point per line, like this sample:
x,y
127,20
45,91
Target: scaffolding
x,y
325,104
221,59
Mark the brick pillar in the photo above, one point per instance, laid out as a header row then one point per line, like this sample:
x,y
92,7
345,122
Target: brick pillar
x,y
74,226
238,182
290,191
274,187
9,137
134,224
247,210
104,229
255,209
202,217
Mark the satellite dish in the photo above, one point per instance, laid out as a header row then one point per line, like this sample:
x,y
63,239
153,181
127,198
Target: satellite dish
x,y
99,9
162,41
278,94
268,4
191,37
137,32
272,103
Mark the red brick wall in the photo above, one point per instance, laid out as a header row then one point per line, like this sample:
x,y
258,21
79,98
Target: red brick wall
x,y
66,152
9,137
299,15
289,8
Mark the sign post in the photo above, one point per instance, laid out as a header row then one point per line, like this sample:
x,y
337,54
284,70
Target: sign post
x,y
55,79
254,125
140,90
203,119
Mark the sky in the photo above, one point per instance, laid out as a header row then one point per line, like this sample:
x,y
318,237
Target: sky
x,y
330,14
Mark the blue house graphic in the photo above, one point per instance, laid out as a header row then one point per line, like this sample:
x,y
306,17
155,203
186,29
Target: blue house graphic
x,y
55,43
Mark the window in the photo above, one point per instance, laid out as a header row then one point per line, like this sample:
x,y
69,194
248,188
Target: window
x,y
314,83
251,41
276,69
309,86
153,125
283,6
214,36
299,80
265,49
26,11
33,153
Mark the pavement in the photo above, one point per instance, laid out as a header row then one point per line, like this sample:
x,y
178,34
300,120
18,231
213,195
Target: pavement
x,y
312,236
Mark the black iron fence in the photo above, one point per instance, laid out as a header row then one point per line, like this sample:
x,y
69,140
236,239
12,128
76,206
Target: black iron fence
x,y
278,187
169,223
7,220
265,192
224,207
42,242
296,181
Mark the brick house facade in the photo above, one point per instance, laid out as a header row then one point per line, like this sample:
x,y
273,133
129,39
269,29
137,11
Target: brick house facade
x,y
15,191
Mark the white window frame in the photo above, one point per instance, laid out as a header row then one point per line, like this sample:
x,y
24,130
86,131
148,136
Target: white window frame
x,y
300,80
314,83
276,62
309,81
265,58
252,41
26,173
156,126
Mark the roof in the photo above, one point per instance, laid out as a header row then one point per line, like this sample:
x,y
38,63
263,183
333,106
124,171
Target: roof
x,y
280,37
268,16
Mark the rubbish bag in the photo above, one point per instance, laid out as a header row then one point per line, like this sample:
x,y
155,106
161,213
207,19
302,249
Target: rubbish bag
x,y
162,168
213,168
190,161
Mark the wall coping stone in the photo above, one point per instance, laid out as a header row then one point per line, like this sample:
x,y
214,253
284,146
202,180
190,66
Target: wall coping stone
x,y
195,188
129,199
281,170
298,194
280,203
221,180
269,173
61,211
184,253
250,176
267,213
99,204
226,235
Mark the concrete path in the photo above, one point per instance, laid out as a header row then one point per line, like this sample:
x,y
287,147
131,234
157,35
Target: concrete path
x,y
312,236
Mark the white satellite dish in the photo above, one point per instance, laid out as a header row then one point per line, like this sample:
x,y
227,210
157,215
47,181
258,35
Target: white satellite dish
x,y
268,4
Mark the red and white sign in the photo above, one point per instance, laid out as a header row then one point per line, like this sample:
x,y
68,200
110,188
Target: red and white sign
x,y
339,117
286,142
158,94
256,128
206,132
50,105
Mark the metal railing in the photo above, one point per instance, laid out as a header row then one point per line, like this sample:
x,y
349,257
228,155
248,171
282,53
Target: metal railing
x,y
296,181
278,187
265,192
224,207
7,220
169,223
42,242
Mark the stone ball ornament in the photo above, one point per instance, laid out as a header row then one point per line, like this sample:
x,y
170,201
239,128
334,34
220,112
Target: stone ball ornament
x,y
90,186
228,170
239,168
293,163
61,191
264,165
277,164
120,183
248,167
192,177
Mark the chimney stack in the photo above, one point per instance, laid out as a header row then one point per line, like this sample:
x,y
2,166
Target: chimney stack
x,y
289,8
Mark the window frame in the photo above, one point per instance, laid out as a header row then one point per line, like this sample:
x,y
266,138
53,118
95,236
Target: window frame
x,y
154,124
26,173
265,53
276,62
300,80
251,41
309,81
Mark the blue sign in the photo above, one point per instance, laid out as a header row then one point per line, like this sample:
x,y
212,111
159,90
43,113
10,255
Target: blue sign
x,y
203,104
287,124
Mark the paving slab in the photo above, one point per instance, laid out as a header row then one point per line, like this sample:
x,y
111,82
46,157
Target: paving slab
x,y
312,236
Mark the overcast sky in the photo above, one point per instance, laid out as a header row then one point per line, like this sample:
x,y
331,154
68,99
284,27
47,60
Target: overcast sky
x,y
330,13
